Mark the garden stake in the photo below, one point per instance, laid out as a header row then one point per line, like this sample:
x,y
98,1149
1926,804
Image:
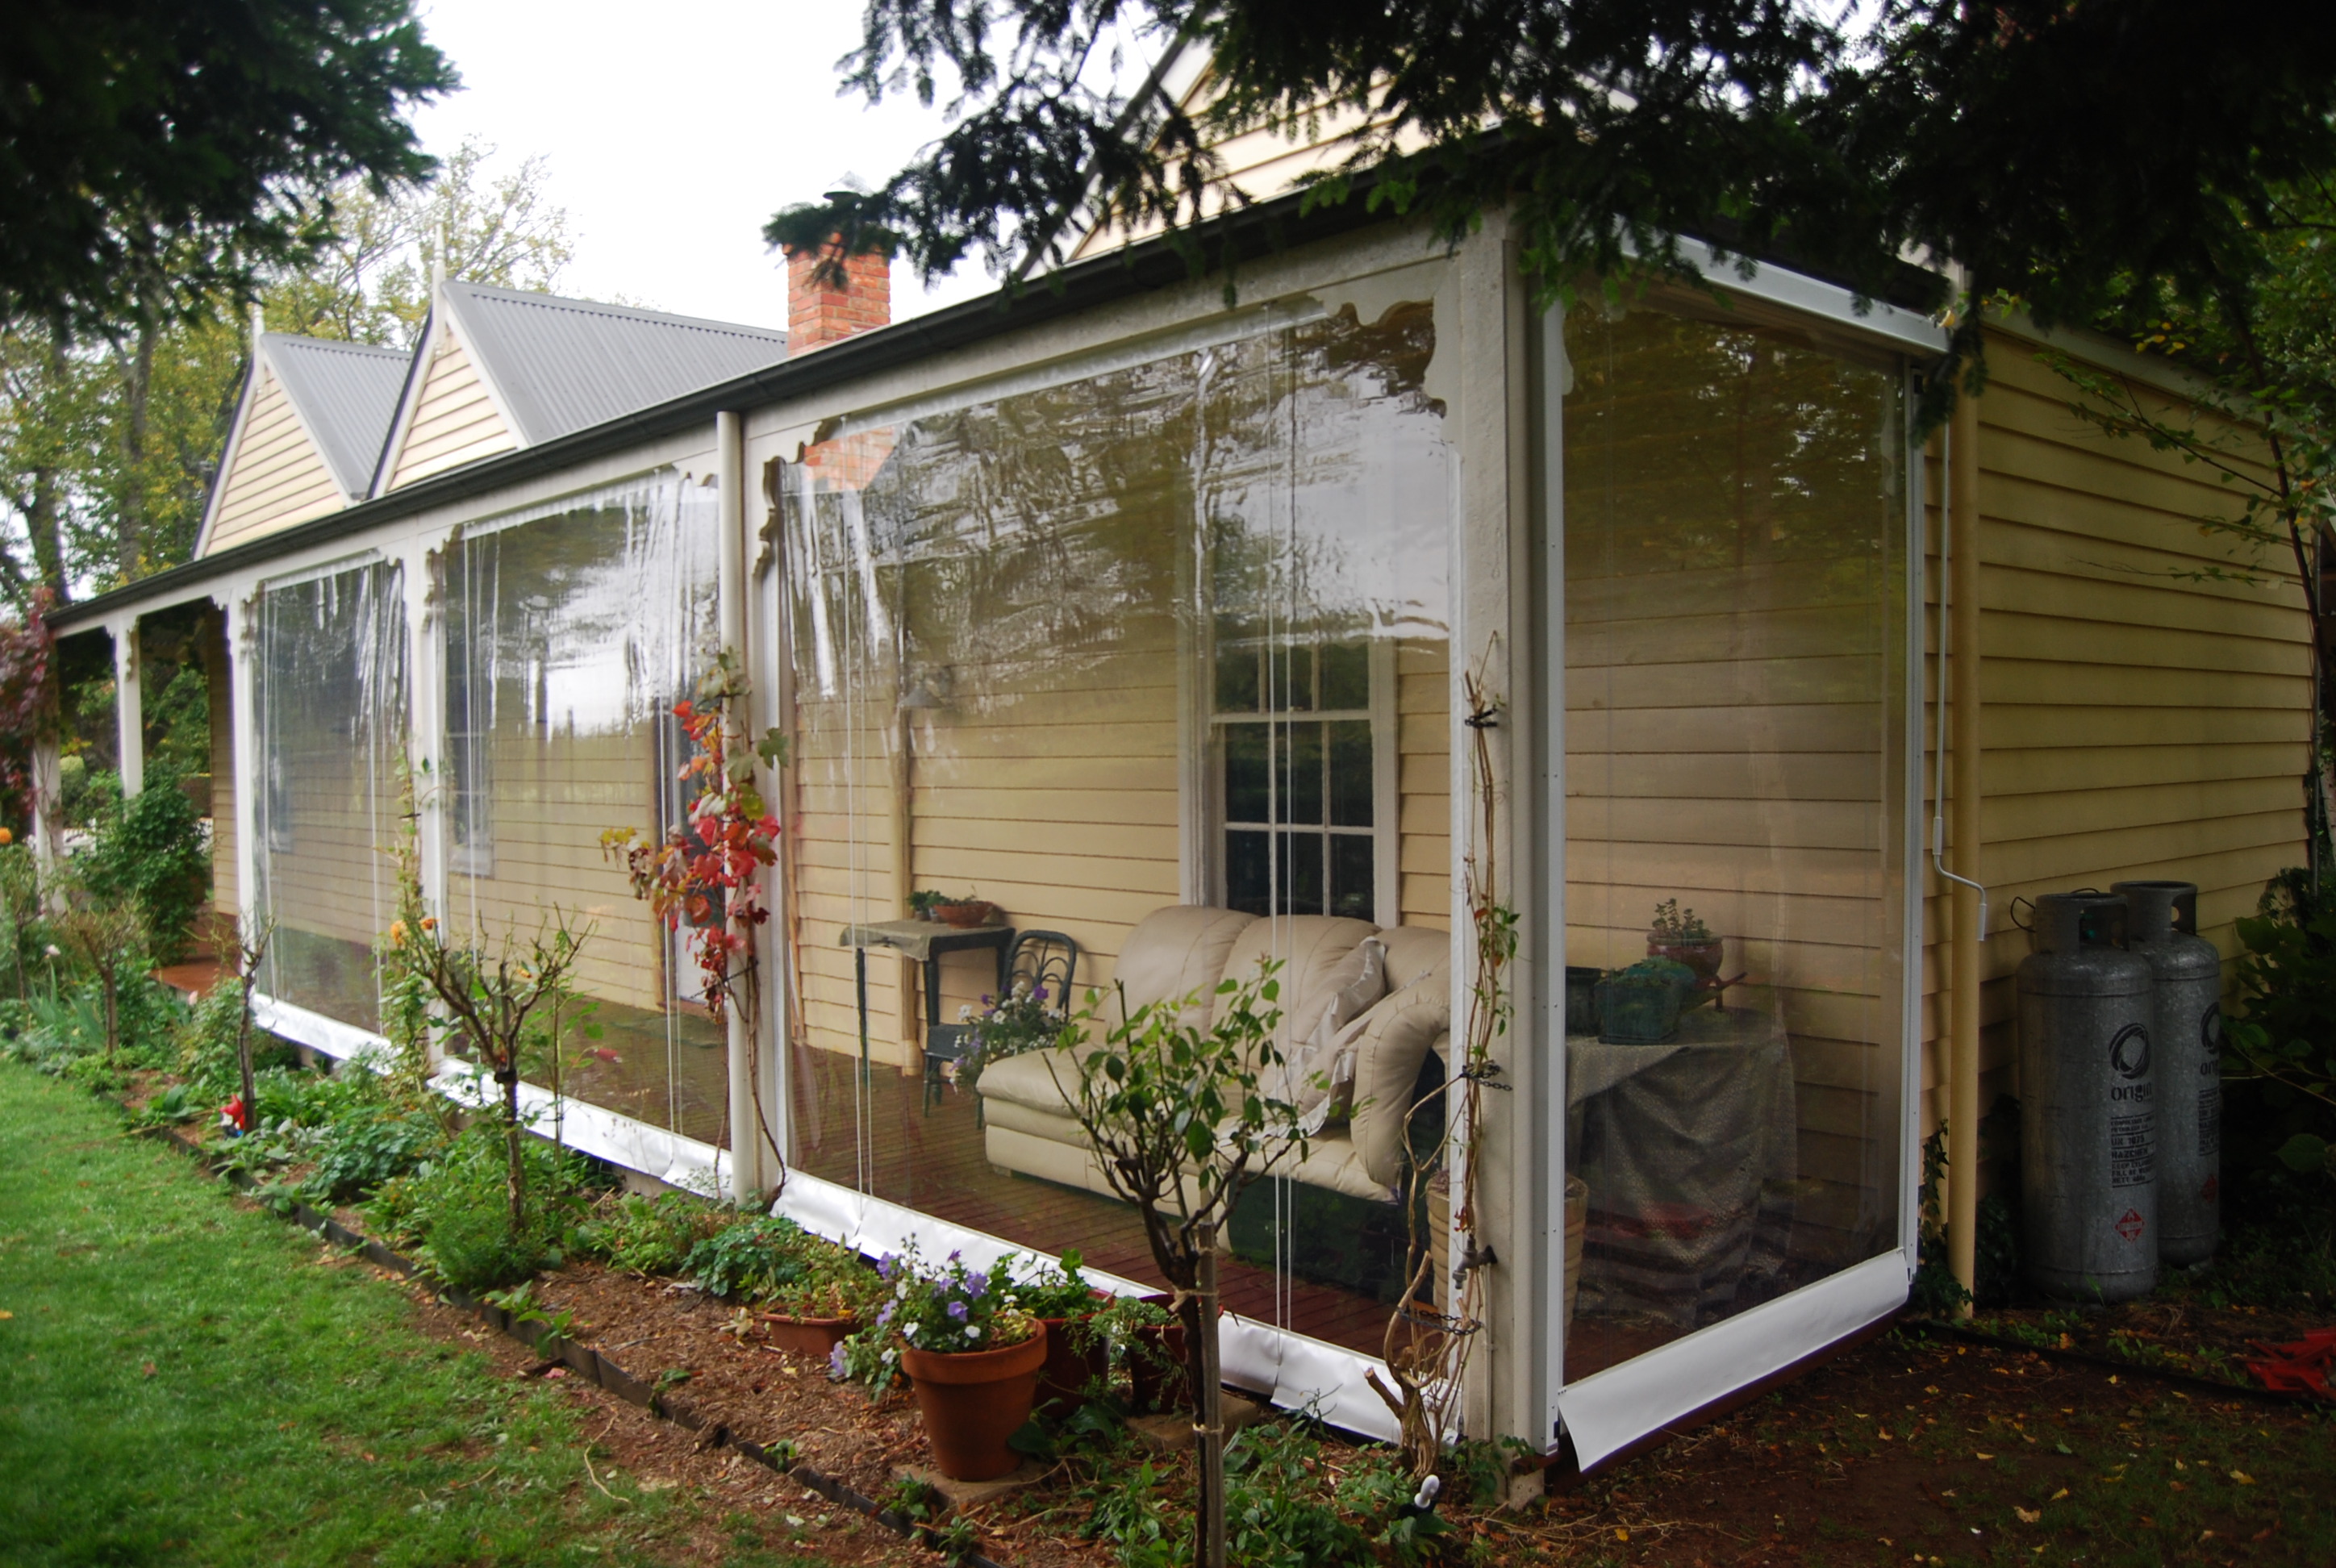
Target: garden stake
x,y
1209,1431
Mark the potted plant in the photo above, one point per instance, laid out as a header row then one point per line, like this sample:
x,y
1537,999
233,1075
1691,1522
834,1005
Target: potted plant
x,y
964,913
973,1356
1640,1006
1078,1352
1026,1019
925,900
1680,936
815,1312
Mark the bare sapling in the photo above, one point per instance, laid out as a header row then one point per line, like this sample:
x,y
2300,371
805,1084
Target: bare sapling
x,y
1181,1119
492,1005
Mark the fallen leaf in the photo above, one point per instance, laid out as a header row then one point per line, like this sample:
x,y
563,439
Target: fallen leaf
x,y
5,1315
2029,1516
2243,1478
147,1368
1621,1534
1986,1456
2056,1497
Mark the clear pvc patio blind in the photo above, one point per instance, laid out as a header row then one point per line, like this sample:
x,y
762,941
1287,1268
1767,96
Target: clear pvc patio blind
x,y
571,629
328,687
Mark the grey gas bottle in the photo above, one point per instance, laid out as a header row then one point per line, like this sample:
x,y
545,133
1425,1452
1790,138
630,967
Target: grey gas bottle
x,y
2087,1122
2186,1040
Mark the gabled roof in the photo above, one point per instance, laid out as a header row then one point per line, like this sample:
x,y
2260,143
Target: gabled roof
x,y
345,395
560,365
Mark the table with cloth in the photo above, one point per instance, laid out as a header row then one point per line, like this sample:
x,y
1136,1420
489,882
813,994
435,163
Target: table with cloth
x,y
1690,1150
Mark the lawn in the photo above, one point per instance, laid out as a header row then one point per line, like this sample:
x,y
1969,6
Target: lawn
x,y
192,1382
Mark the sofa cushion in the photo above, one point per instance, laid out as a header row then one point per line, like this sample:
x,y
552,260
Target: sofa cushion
x,y
1414,952
1311,949
1042,1080
1396,1037
1317,1075
1175,952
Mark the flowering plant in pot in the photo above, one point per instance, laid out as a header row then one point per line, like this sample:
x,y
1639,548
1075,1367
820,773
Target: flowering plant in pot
x,y
972,1350
1026,1019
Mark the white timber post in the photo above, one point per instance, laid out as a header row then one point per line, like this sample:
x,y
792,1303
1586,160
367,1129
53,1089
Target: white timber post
x,y
129,708
426,733
245,740
750,1166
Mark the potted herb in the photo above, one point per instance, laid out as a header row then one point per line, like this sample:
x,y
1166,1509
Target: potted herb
x,y
973,1354
925,900
1680,936
1078,1353
1026,1019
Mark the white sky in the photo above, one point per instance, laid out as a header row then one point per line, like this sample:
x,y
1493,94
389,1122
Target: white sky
x,y
673,131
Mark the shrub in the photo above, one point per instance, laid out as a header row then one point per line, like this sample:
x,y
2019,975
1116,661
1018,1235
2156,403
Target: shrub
x,y
369,1143
643,1235
2284,1042
750,1259
453,1210
150,851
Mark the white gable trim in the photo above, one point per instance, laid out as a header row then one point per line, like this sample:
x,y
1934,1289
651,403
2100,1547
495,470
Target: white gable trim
x,y
468,342
251,377
439,329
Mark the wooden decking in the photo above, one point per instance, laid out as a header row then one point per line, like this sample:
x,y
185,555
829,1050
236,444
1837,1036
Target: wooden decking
x,y
933,1161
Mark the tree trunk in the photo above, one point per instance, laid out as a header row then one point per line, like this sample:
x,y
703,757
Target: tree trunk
x,y
111,1034
137,369
516,1172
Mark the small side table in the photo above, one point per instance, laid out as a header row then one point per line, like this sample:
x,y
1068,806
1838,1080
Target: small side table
x,y
924,941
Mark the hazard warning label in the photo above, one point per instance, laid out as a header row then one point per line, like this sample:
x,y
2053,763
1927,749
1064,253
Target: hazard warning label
x,y
2133,1150
2210,1122
2129,1225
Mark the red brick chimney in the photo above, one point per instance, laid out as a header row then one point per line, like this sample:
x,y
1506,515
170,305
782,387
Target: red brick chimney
x,y
820,312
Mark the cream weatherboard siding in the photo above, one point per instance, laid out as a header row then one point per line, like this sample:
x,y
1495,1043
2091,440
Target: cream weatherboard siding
x,y
452,420
2135,724
277,477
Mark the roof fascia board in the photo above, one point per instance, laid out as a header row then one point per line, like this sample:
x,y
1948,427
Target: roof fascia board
x,y
407,396
2099,349
251,375
469,342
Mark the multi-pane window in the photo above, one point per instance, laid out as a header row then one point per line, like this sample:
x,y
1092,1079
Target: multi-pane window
x,y
1293,718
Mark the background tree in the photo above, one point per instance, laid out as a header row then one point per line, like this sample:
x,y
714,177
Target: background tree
x,y
157,154
2054,148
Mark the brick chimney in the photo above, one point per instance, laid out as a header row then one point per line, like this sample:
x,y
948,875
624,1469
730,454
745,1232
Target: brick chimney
x,y
820,312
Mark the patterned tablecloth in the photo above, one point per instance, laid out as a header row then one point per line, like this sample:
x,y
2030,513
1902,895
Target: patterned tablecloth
x,y
1689,1149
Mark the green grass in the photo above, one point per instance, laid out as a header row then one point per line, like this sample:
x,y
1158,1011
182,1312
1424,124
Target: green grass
x,y
182,1380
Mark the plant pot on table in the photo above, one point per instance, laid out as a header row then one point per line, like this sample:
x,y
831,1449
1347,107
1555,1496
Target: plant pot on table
x,y
963,915
1701,954
972,1401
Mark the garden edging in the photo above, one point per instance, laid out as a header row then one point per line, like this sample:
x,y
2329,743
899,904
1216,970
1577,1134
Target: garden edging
x,y
589,1362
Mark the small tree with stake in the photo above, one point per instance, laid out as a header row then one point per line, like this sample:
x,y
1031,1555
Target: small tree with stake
x,y
1180,1121
491,1005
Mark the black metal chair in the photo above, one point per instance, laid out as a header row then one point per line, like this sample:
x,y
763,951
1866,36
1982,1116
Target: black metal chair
x,y
1044,961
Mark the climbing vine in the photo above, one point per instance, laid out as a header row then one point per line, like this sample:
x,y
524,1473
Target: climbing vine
x,y
706,875
1426,1350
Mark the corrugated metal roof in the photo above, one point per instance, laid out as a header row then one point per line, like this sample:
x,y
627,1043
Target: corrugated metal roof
x,y
561,365
345,393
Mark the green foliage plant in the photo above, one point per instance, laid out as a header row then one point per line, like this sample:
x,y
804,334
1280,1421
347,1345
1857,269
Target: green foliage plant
x,y
1677,925
750,1258
652,1235
150,853
27,932
101,932
454,1210
2284,1041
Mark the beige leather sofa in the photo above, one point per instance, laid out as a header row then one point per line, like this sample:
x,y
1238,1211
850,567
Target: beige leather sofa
x,y
1189,948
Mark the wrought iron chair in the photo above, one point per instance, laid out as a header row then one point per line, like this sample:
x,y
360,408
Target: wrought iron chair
x,y
1044,961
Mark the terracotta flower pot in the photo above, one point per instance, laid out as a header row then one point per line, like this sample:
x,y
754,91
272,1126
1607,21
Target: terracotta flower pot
x,y
1702,955
1157,1378
964,916
1063,1381
973,1402
807,1335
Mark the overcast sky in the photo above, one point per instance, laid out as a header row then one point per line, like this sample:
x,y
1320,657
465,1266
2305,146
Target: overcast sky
x,y
673,131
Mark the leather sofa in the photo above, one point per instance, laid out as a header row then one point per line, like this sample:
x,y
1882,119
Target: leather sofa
x,y
1184,949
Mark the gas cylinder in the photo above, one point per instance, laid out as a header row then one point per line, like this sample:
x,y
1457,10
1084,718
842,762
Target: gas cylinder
x,y
2088,1127
2187,1039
